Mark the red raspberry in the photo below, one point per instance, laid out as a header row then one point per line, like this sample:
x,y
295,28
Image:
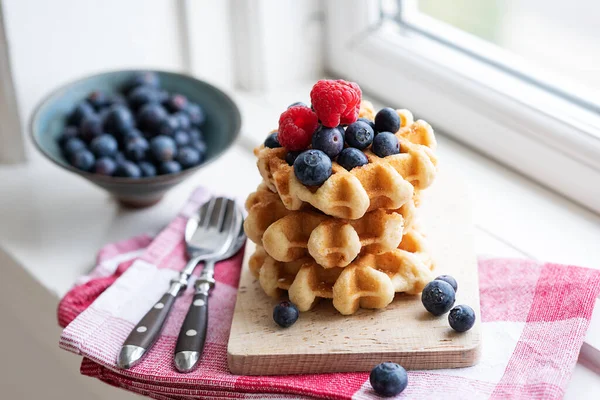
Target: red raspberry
x,y
336,102
296,127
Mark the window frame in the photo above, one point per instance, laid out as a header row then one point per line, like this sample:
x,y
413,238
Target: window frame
x,y
538,133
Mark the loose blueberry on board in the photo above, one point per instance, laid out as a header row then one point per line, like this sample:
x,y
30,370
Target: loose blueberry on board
x,y
272,142
329,140
151,116
147,168
128,169
118,120
105,166
176,102
385,144
438,297
83,160
183,120
98,99
72,146
461,318
196,114
81,110
104,146
298,103
142,78
359,135
368,121
90,128
163,148
141,96
196,134
387,120
291,156
188,157
351,158
182,138
285,314
312,167
169,167
450,280
69,132
388,379
136,149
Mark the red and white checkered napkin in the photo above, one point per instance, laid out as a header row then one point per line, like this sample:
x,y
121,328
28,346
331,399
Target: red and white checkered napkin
x,y
534,321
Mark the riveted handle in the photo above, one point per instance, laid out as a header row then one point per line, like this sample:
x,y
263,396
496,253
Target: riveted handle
x,y
192,335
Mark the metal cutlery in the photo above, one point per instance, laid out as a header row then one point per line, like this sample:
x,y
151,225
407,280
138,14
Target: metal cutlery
x,y
208,235
192,336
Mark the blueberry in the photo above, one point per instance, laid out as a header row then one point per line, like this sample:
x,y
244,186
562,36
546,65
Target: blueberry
x,y
72,146
83,160
271,141
199,145
118,119
136,149
148,169
388,379
151,116
182,138
188,157
385,144
438,297
98,99
329,140
176,102
387,120
359,135
351,158
298,103
312,167
168,126
104,146
196,134
105,166
196,114
163,148
128,169
142,95
368,121
291,156
183,120
69,132
461,318
131,134
142,78
285,314
169,167
90,128
120,157
81,110
450,280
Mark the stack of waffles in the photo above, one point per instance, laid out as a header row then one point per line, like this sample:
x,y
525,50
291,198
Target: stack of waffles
x,y
354,239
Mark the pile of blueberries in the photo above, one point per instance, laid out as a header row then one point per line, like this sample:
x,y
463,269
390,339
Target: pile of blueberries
x,y
313,167
143,131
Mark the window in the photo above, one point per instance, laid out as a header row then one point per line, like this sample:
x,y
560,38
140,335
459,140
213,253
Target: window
x,y
518,80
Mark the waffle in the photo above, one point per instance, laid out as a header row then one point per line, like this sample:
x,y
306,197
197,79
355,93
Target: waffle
x,y
291,235
385,183
370,281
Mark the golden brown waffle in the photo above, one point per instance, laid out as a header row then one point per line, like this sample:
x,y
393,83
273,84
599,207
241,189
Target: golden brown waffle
x,y
385,183
291,235
368,282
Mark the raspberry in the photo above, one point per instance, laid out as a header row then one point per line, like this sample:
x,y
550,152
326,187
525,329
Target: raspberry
x,y
336,102
296,127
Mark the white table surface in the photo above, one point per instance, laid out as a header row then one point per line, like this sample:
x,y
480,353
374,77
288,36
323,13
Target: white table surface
x,y
53,222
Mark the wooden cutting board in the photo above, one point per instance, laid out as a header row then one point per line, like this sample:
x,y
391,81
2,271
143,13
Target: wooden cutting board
x,y
322,340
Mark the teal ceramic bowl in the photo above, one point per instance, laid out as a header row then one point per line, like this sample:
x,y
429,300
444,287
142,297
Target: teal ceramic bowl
x,y
221,129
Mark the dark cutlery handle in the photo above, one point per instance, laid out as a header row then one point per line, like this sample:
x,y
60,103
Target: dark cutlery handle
x,y
193,331
147,330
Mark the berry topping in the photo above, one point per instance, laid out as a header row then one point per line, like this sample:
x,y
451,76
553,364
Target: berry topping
x,y
359,135
450,280
291,156
312,167
296,127
385,144
329,140
271,141
438,297
351,158
368,121
285,314
387,120
298,103
461,318
336,102
388,379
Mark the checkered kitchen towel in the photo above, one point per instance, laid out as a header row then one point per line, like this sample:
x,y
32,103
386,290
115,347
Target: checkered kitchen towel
x,y
534,318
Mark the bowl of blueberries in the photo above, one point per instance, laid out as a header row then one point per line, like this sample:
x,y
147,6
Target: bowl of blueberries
x,y
135,133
